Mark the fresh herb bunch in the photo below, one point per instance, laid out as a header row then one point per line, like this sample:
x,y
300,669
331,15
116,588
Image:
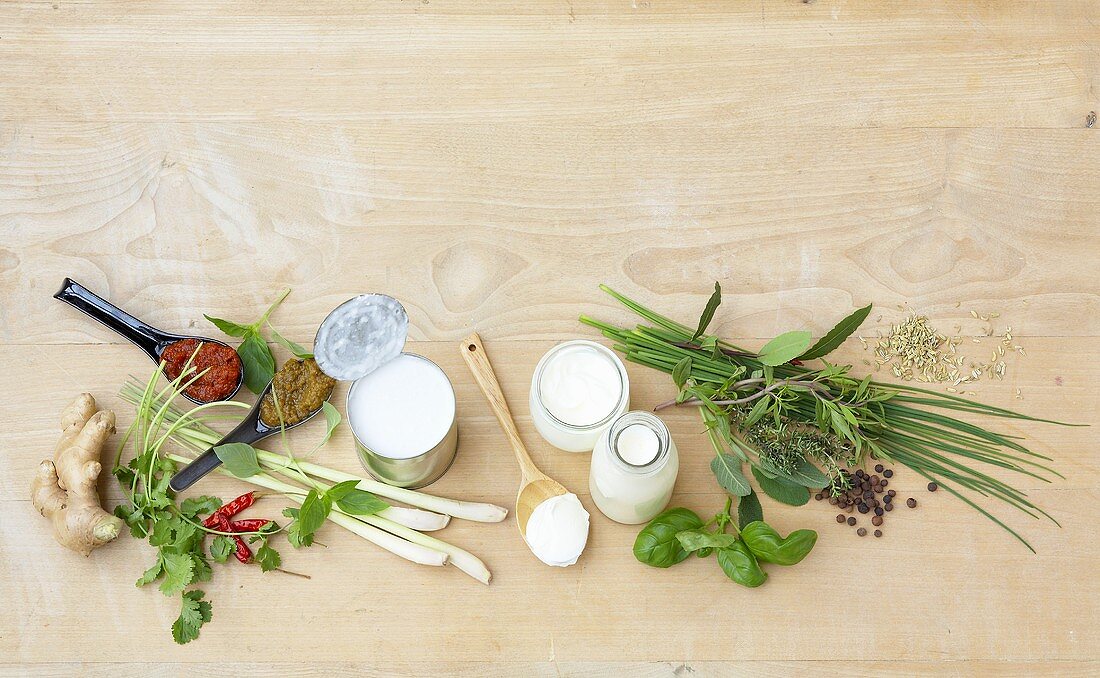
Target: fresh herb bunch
x,y
771,411
174,529
672,536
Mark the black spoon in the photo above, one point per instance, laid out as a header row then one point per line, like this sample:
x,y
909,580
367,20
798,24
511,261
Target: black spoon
x,y
146,337
252,429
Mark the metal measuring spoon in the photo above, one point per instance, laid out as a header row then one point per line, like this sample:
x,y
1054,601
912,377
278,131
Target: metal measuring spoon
x,y
252,429
143,335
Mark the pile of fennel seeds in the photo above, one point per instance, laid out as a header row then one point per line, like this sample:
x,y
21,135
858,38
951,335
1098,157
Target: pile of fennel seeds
x,y
916,351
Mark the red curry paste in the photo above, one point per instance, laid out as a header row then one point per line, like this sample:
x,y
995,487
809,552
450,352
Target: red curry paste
x,y
222,365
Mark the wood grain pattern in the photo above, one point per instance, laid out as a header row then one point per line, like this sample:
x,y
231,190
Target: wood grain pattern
x,y
490,164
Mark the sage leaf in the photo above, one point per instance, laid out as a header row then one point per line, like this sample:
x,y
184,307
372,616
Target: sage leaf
x,y
785,348
682,371
781,490
239,459
727,469
258,363
229,327
693,540
708,312
748,510
836,336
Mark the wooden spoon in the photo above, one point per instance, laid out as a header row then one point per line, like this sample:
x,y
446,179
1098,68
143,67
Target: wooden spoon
x,y
535,486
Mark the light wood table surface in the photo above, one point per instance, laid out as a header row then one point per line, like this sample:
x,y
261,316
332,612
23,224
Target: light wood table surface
x,y
489,164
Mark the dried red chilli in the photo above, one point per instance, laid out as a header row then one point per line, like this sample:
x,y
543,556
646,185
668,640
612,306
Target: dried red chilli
x,y
230,509
248,525
243,553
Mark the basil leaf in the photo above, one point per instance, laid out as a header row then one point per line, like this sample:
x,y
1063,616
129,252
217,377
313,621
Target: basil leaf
x,y
340,490
332,420
229,327
785,348
360,503
836,336
708,312
693,540
781,490
258,363
727,469
657,545
239,459
312,514
296,349
682,371
748,510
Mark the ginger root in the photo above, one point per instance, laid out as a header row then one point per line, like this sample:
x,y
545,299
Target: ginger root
x,y
64,490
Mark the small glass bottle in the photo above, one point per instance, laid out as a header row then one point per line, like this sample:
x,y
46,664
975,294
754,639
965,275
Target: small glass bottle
x,y
579,387
634,467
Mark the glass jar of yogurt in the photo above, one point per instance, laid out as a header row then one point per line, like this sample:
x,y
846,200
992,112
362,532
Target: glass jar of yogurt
x,y
634,467
578,389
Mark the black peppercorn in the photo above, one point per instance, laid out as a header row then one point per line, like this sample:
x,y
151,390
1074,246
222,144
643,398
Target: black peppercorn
x,y
878,468
840,517
932,487
852,521
911,503
878,533
862,531
876,521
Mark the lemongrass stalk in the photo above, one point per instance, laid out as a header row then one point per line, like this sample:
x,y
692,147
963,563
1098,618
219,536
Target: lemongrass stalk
x,y
460,558
416,519
468,510
417,553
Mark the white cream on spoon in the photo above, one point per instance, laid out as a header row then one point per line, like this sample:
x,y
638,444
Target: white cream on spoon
x,y
557,530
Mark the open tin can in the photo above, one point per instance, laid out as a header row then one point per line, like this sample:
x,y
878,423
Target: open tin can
x,y
401,406
430,448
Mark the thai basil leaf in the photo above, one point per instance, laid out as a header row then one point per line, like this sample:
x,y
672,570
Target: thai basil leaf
x,y
258,363
239,459
229,327
727,469
836,336
296,349
361,503
785,348
749,510
708,312
781,490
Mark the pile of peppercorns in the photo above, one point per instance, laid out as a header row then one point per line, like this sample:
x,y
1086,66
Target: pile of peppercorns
x,y
867,494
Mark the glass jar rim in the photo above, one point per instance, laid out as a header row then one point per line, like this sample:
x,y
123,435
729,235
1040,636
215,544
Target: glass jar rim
x,y
653,423
624,385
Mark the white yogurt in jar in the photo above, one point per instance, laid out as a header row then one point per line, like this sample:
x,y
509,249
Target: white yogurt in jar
x,y
578,388
634,468
403,408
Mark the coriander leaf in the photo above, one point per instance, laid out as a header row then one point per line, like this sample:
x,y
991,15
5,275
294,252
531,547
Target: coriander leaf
x,y
693,540
785,347
727,469
194,612
258,363
229,327
239,459
781,490
296,349
360,503
195,506
151,574
268,558
178,572
682,371
221,548
708,312
748,510
203,571
836,336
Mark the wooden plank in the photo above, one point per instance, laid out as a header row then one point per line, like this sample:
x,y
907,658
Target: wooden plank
x,y
943,582
825,64
511,228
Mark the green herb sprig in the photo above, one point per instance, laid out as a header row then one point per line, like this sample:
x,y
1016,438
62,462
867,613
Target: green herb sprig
x,y
255,354
825,415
